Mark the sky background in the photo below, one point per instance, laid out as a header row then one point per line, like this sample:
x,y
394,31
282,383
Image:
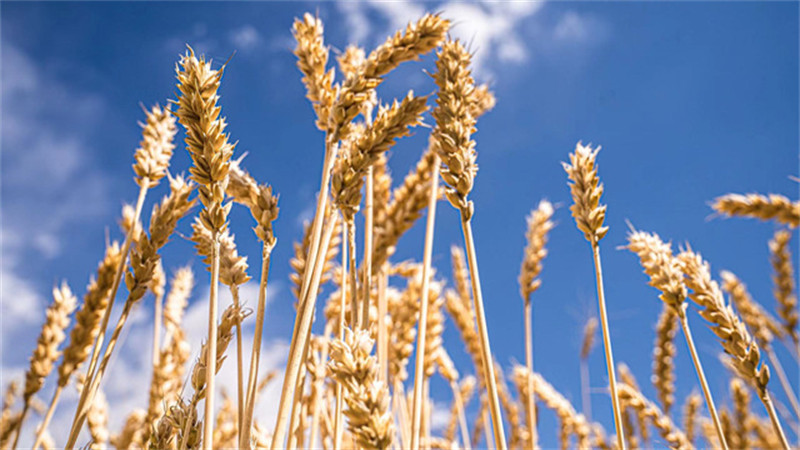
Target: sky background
x,y
689,101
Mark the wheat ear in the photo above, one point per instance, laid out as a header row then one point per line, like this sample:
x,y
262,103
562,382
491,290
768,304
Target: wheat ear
x,y
454,145
46,352
312,60
744,353
691,408
144,258
626,376
167,379
665,275
664,358
762,325
157,286
263,207
87,326
419,38
571,421
152,159
211,151
668,430
765,207
198,379
589,215
539,225
784,283
367,398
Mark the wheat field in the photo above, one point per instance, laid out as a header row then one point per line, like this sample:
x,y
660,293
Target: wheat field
x,y
368,336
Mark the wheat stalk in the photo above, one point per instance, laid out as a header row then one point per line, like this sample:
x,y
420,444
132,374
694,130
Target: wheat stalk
x,y
422,336
589,215
263,207
152,159
665,275
539,225
763,326
737,342
168,372
765,207
86,329
454,145
144,257
46,352
589,331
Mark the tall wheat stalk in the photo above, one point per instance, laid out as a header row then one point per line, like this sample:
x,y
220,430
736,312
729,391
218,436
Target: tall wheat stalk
x,y
46,352
665,275
144,259
419,363
211,152
455,124
589,216
744,352
539,225
589,331
335,114
87,326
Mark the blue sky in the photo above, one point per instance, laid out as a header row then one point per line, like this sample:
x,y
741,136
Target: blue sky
x,y
688,100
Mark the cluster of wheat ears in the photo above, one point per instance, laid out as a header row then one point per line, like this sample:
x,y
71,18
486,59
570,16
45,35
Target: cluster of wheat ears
x,y
349,386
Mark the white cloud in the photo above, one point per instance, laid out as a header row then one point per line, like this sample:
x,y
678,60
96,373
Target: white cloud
x,y
44,137
491,29
575,28
246,38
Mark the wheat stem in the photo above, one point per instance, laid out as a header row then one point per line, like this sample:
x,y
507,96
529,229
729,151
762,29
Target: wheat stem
x,y
40,433
337,423
383,341
98,343
419,364
355,311
157,328
462,417
319,379
531,402
702,377
306,305
303,328
240,405
80,415
486,352
773,417
126,246
211,357
612,378
787,387
252,379
369,221
586,402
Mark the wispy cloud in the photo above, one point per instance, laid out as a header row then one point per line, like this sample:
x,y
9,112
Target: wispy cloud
x,y
491,29
246,38
48,175
494,31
